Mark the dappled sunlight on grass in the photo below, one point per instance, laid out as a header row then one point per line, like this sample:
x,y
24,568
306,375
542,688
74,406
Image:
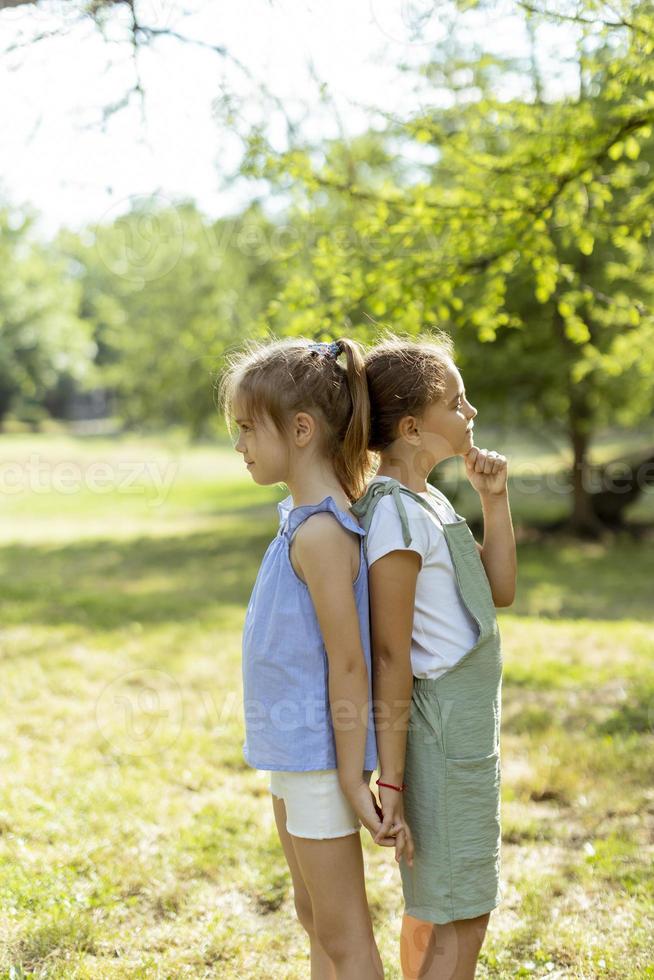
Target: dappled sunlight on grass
x,y
136,842
588,580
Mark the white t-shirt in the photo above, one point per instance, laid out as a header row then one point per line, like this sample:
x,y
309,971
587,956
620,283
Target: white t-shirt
x,y
443,629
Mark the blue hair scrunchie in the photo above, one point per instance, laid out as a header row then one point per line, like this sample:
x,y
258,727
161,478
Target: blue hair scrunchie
x,y
332,350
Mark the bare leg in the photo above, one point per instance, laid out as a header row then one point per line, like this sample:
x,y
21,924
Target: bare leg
x,y
322,967
334,875
441,952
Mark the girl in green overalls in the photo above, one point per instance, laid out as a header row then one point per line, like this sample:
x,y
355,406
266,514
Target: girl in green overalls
x,y
437,661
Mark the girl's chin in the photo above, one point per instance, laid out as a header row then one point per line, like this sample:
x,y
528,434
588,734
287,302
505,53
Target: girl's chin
x,y
261,479
467,444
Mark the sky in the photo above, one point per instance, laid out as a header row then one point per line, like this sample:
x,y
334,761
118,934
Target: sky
x,y
56,157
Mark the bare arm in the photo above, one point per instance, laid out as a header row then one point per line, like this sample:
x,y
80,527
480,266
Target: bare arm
x,y
488,474
498,552
323,549
392,599
392,581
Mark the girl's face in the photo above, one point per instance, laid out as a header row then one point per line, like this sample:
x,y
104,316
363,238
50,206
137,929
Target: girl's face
x,y
446,425
265,451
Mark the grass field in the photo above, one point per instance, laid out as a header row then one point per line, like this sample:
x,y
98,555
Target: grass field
x,y
134,840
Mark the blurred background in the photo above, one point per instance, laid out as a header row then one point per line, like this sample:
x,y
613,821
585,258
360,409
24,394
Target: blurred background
x,y
177,177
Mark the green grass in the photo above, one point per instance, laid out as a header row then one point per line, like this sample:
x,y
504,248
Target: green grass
x,y
134,840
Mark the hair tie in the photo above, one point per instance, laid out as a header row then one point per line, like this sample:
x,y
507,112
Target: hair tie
x,y
331,350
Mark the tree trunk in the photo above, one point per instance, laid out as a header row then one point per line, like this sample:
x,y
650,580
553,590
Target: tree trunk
x,y
583,519
5,404
619,490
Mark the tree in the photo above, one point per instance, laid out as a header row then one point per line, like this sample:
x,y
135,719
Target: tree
x,y
142,26
166,293
528,237
41,335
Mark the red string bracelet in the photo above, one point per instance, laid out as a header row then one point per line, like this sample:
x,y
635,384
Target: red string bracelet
x,y
400,789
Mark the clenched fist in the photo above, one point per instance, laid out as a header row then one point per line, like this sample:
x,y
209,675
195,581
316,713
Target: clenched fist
x,y
487,470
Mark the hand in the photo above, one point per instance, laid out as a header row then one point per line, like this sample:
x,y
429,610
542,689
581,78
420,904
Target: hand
x,y
486,470
394,824
364,804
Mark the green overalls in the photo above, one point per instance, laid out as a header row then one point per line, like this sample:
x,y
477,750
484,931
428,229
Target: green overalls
x,y
452,766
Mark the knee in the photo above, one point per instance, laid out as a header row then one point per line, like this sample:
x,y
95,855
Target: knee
x,y
341,944
304,912
334,945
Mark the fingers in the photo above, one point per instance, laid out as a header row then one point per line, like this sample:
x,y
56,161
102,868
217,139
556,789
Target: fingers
x,y
388,829
485,461
409,848
383,830
386,842
404,846
470,457
397,835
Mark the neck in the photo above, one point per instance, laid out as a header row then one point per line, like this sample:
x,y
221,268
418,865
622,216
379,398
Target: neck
x,y
312,484
399,468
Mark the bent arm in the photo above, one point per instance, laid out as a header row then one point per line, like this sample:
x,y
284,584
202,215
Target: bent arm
x,y
498,552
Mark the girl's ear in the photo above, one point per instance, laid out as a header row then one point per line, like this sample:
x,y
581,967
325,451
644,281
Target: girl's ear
x,y
303,428
409,428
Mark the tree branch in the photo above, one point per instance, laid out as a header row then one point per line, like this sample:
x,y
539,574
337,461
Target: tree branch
x,y
578,19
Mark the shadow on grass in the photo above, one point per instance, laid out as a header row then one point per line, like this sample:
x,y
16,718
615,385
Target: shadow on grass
x,y
572,579
106,584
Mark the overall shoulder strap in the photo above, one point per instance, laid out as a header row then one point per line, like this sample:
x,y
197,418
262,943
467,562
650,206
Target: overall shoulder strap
x,y
364,508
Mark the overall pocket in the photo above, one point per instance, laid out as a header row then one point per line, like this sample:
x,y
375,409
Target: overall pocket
x,y
474,832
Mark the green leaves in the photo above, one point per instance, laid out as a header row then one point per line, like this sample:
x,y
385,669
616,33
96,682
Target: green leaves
x,y
528,235
522,224
42,336
163,336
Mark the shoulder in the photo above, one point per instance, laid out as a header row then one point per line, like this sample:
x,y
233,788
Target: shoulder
x,y
387,529
322,541
322,535
386,515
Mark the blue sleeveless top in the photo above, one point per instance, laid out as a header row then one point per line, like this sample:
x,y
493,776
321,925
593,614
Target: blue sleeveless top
x,y
288,723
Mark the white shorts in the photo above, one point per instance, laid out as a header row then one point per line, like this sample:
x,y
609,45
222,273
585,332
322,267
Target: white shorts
x,y
316,806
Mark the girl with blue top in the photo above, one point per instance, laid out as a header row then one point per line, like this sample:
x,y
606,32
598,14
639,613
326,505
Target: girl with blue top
x,y
437,662
303,420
